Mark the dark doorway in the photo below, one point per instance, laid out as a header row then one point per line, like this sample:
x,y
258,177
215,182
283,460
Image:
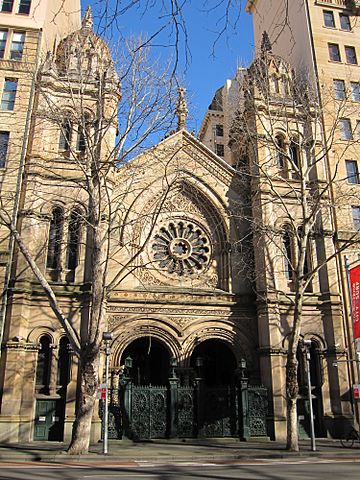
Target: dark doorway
x,y
151,362
214,362
316,380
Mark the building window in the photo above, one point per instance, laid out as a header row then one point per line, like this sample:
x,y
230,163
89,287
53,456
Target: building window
x,y
43,365
355,91
287,255
17,45
285,85
3,37
9,94
73,240
294,154
339,89
329,19
350,55
65,136
54,243
356,217
80,141
219,130
280,149
352,173
220,150
345,22
24,7
4,144
64,363
7,6
276,84
334,52
345,129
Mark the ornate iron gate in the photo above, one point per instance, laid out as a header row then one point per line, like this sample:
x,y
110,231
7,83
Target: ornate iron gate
x,y
148,412
145,412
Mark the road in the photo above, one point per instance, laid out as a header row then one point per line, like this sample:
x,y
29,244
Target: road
x,y
260,470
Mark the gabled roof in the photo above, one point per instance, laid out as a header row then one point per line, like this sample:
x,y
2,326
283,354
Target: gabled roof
x,y
194,148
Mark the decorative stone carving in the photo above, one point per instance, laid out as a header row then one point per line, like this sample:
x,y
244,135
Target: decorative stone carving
x,y
181,248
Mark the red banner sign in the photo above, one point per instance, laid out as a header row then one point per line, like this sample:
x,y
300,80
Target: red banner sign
x,y
355,299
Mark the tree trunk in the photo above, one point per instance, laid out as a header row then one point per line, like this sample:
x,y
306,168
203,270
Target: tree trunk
x,y
292,389
89,380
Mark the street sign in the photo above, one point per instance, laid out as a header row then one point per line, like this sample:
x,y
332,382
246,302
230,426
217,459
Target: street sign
x,y
356,390
101,392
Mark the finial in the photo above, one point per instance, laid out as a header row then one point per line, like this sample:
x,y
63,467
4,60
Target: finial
x,y
87,21
181,109
265,43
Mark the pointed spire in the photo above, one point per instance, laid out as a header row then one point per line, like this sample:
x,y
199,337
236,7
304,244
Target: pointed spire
x,y
87,21
181,109
265,43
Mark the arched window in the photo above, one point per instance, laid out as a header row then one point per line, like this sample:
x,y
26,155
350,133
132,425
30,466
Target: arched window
x,y
64,364
54,243
294,155
65,135
285,85
280,151
73,240
43,365
275,82
80,141
288,254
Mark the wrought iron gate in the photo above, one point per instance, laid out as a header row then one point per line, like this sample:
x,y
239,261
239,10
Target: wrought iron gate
x,y
145,412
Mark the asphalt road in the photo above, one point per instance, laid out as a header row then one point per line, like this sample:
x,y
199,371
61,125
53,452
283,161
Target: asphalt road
x,y
269,470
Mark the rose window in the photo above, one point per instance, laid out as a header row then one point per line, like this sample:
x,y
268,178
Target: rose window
x,y
181,248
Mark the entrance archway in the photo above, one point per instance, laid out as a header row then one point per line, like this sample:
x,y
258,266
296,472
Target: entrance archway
x,y
215,362
150,361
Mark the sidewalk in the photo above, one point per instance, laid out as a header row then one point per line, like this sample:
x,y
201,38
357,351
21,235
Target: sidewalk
x,y
175,451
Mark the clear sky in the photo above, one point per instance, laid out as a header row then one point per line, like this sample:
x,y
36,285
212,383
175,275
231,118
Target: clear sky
x,y
206,70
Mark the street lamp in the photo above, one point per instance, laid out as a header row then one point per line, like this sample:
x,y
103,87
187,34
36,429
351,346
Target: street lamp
x,y
107,336
307,345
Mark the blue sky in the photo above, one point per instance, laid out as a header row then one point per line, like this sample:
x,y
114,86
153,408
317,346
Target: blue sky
x,y
205,70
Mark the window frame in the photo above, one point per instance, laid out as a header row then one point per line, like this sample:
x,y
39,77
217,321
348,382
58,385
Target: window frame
x,y
10,93
342,91
329,14
355,96
65,136
348,24
54,243
3,41
348,49
219,130
4,147
25,5
355,211
331,51
15,43
8,2
352,175
345,131
221,147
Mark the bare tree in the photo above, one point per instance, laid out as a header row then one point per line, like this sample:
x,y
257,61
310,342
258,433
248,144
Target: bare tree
x,y
283,152
75,159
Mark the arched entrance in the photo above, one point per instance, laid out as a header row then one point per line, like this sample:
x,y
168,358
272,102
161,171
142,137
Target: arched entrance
x,y
316,380
150,362
215,362
216,389
206,396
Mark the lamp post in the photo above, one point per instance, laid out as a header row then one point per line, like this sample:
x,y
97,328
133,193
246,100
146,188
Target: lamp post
x,y
107,336
307,345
